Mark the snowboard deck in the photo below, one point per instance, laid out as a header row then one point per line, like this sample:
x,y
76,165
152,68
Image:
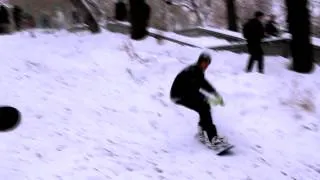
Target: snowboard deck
x,y
224,149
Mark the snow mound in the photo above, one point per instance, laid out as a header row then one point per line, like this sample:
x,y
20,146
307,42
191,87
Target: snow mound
x,y
97,107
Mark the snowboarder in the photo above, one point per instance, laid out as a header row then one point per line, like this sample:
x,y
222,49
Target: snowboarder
x,y
271,27
185,92
254,32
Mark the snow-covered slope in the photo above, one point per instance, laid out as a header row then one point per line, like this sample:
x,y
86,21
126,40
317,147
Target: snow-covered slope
x,y
91,112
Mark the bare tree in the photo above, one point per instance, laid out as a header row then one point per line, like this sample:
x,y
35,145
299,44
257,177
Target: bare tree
x,y
194,6
232,17
179,14
89,18
161,16
96,7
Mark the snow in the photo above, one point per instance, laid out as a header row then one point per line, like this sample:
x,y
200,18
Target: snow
x,y
92,110
316,41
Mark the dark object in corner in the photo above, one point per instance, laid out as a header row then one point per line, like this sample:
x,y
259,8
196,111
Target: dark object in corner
x,y
10,118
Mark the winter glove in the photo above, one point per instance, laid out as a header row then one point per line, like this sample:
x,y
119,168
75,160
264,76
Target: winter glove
x,y
216,100
221,101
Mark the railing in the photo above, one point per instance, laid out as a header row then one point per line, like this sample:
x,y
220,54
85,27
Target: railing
x,y
276,47
218,33
271,47
124,28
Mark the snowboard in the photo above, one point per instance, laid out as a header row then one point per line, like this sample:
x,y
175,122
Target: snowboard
x,y
223,148
9,118
219,149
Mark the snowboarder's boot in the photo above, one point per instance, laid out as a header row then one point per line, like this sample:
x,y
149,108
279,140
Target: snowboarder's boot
x,y
217,143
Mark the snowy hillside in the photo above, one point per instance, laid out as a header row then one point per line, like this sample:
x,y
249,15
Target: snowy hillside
x,y
94,109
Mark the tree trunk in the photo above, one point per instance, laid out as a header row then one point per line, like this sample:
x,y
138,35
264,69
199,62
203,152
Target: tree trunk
x,y
232,17
139,19
89,19
298,19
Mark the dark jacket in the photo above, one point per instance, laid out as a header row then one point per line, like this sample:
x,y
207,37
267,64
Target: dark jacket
x,y
271,29
254,31
188,83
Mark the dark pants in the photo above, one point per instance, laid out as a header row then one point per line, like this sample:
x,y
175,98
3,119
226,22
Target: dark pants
x,y
256,54
199,104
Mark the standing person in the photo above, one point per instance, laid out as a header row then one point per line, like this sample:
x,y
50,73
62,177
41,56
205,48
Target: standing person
x,y
271,27
185,92
254,32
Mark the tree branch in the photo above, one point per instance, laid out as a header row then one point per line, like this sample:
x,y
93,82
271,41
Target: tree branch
x,y
183,4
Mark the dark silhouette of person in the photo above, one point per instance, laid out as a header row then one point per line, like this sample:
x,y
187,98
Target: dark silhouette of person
x,y
185,92
254,32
